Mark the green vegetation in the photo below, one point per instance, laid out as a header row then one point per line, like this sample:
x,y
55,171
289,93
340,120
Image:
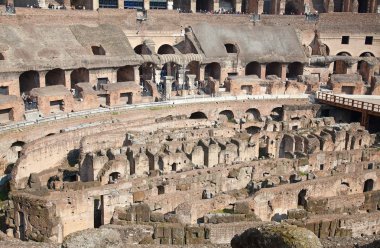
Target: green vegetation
x,y
223,211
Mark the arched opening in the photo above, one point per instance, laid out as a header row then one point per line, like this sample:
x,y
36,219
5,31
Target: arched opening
x,y
302,198
114,177
264,147
170,69
16,147
166,49
29,80
340,66
142,49
204,5
98,50
226,115
276,114
368,185
273,68
227,6
198,115
182,5
253,114
286,146
213,70
55,77
294,70
174,167
293,8
362,6
230,48
146,71
161,189
363,67
253,68
125,74
1,56
253,130
79,76
193,69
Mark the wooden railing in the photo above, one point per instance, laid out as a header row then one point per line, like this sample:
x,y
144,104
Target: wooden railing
x,y
349,102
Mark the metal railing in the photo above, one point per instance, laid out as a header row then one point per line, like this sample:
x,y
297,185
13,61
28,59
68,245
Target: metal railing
x,y
349,102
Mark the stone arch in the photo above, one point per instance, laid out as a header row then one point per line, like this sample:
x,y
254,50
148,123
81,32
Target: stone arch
x,y
204,5
170,69
226,115
264,146
276,114
253,129
231,48
364,68
293,8
274,68
146,71
198,115
368,185
125,74
340,66
29,80
193,69
294,70
79,75
213,70
16,147
114,177
166,49
253,68
253,114
142,49
55,77
98,50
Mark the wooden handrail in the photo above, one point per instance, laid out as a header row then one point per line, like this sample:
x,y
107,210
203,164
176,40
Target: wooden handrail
x,y
348,102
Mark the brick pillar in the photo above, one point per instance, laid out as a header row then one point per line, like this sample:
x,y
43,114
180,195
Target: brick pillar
x,y
146,4
193,6
263,71
120,4
136,74
42,79
283,72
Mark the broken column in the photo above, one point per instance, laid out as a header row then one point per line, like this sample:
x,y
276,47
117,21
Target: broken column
x,y
168,86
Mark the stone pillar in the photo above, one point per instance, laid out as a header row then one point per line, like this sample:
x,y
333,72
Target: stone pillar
x,y
260,7
216,5
95,4
146,4
68,79
42,79
168,86
283,72
202,72
157,77
238,5
282,7
136,72
193,6
352,68
263,71
120,4
190,83
355,6
181,76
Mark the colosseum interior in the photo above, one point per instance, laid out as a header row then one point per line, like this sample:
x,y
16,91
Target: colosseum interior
x,y
190,123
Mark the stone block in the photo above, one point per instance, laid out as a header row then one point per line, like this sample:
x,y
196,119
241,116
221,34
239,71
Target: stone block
x,y
242,208
157,217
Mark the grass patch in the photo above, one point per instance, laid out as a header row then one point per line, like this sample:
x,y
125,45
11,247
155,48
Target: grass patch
x,y
223,211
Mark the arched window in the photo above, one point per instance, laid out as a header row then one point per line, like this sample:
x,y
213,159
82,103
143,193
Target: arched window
x,y
213,70
276,114
142,49
274,68
79,76
98,50
302,198
368,185
166,49
294,69
125,74
198,115
231,48
29,80
55,77
253,68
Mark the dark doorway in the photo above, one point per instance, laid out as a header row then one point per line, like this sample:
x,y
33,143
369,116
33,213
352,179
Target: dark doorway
x,y
368,185
301,198
98,211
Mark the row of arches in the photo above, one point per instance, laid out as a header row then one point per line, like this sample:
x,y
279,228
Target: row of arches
x,y
143,49
363,68
275,68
